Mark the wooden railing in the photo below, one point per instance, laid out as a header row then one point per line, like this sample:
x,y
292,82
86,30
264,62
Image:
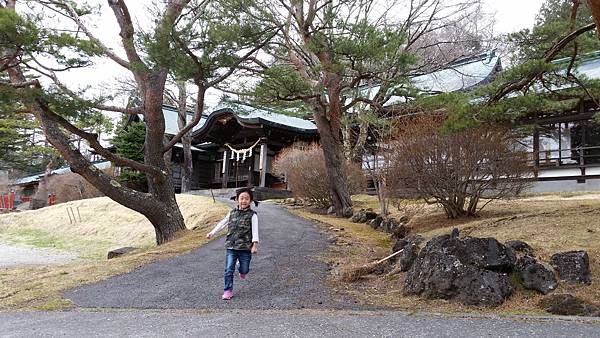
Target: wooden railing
x,y
577,157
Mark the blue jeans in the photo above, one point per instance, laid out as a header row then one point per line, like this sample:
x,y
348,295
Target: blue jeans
x,y
244,257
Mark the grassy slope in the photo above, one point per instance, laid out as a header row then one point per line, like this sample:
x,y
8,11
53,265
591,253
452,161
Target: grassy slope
x,y
549,223
40,287
104,225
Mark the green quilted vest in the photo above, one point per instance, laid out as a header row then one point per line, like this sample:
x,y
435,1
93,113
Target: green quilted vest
x,y
239,229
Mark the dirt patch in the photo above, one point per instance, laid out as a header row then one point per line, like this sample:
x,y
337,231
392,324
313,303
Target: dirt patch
x,y
11,256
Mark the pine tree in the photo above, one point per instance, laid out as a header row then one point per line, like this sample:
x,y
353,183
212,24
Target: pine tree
x,y
20,146
204,42
555,19
542,80
342,61
129,143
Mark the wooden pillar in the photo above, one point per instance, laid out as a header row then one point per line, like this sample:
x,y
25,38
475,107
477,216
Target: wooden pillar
x,y
225,169
262,164
251,169
582,149
560,145
536,151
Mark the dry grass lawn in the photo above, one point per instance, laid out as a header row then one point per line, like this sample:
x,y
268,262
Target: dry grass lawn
x,y
549,223
40,287
104,225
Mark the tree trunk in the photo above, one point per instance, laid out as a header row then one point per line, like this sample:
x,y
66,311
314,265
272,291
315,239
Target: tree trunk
x,y
361,140
168,220
354,146
160,206
347,140
186,140
452,209
336,175
472,209
381,196
594,6
188,165
167,155
41,194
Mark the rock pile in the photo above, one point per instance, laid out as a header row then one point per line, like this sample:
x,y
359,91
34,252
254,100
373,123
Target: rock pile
x,y
363,216
396,227
480,271
471,271
410,247
569,305
572,266
536,275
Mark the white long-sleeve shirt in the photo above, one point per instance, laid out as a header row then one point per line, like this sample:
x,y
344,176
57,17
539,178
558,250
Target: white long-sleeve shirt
x,y
221,225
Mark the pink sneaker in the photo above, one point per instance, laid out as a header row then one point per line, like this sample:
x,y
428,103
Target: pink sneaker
x,y
227,295
242,276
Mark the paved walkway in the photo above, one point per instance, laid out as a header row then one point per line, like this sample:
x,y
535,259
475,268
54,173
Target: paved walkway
x,y
285,274
13,256
280,324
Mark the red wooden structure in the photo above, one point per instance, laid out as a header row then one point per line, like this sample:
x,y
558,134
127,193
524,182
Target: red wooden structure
x,y
7,201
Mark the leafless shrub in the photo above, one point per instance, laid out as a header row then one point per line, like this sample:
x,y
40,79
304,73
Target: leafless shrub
x,y
408,207
457,169
303,166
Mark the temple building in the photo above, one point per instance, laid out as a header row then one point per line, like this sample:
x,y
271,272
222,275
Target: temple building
x,y
564,146
236,143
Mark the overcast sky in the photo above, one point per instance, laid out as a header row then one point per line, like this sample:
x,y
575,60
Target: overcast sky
x,y
513,15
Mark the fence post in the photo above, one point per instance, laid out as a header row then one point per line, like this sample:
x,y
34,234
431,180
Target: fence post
x,y
11,199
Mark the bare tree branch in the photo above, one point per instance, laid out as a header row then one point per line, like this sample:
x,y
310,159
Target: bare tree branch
x,y
52,75
20,84
241,59
93,142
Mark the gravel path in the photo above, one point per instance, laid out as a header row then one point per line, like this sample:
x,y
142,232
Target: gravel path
x,y
283,275
13,256
281,324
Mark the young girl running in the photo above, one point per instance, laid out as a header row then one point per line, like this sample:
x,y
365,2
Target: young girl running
x,y
242,238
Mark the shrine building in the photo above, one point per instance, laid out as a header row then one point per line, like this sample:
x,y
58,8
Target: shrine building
x,y
235,145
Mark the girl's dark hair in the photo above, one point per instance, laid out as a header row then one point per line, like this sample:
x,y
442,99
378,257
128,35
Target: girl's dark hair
x,y
249,191
246,190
